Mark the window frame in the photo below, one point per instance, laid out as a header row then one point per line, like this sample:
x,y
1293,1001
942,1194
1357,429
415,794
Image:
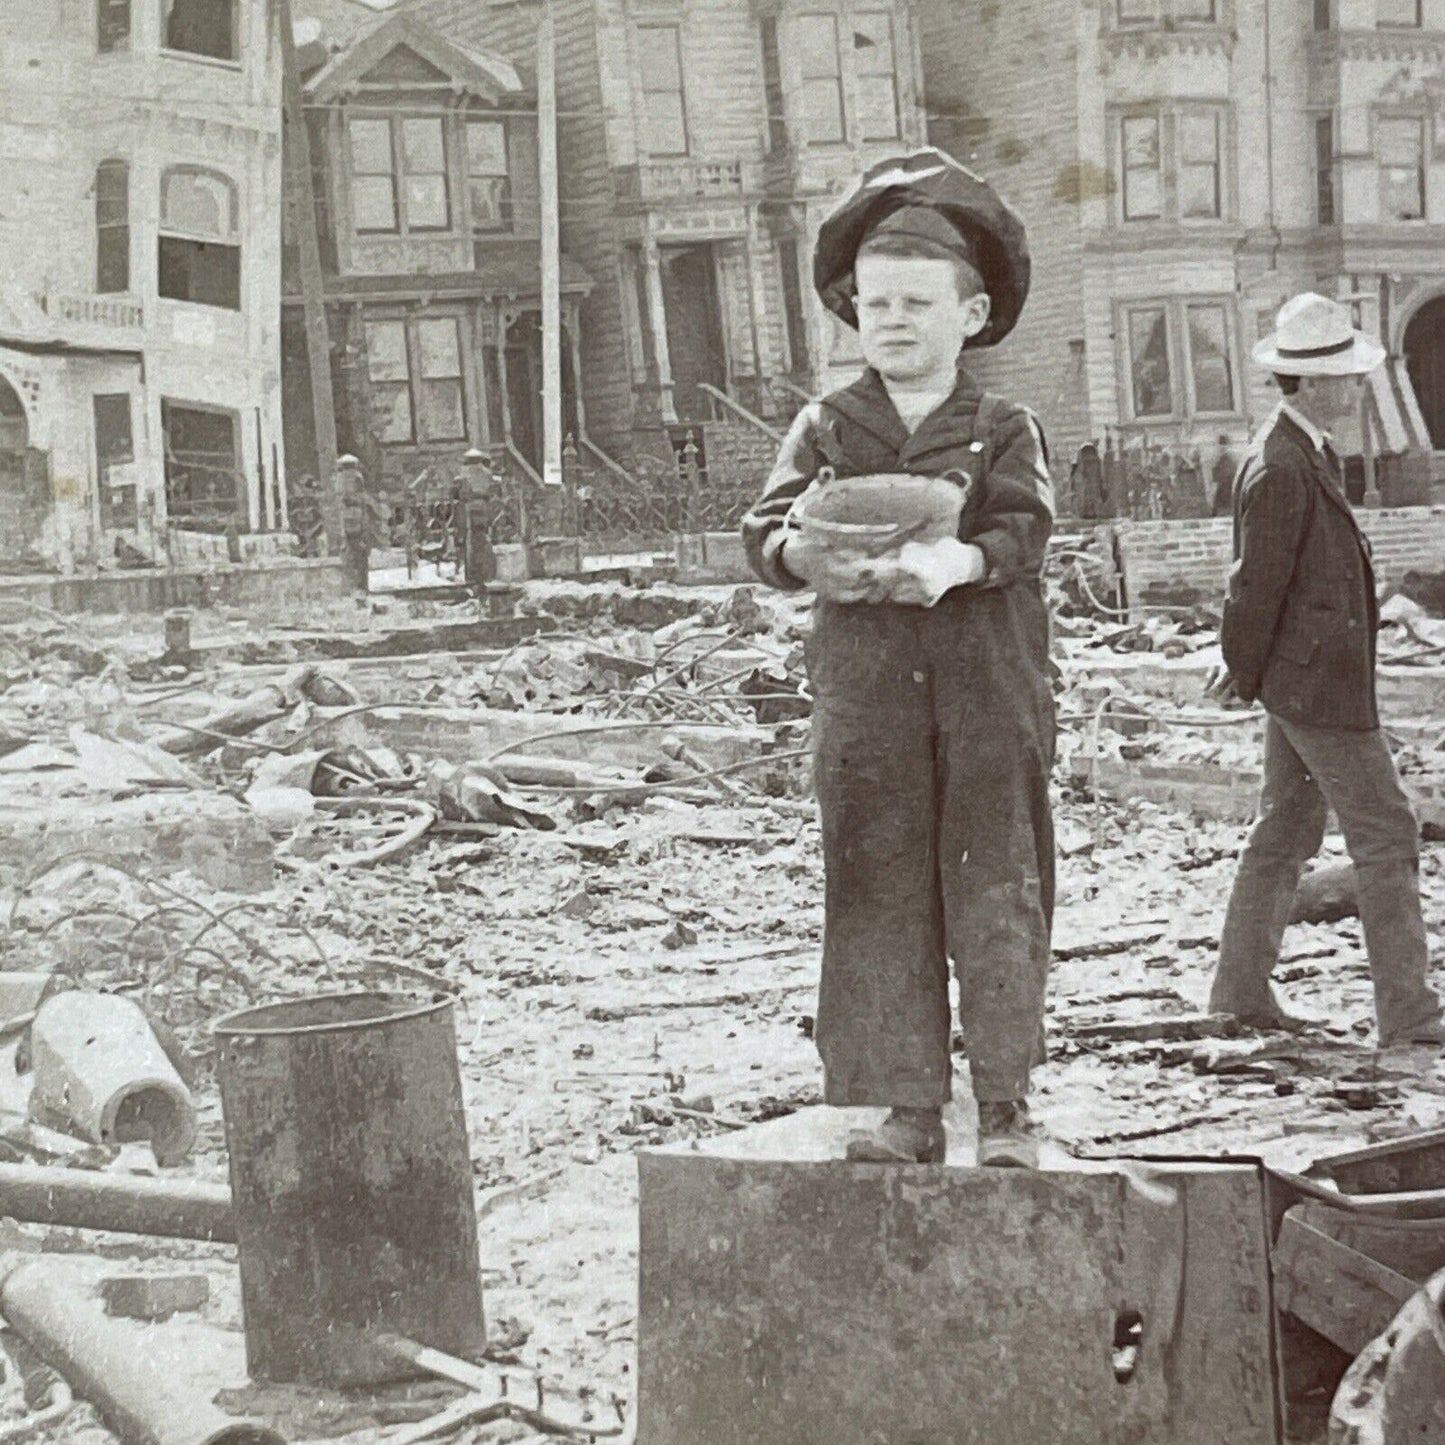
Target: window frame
x,y
416,378
505,219
1422,124
1418,23
645,90
236,9
1170,116
120,229
835,79
114,27
887,17
1153,14
168,231
395,122
240,511
1179,348
1327,197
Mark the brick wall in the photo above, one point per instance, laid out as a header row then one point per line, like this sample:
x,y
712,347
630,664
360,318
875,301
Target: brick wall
x,y
1174,561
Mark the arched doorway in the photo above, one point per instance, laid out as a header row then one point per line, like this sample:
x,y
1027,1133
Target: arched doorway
x,y
24,484
1425,358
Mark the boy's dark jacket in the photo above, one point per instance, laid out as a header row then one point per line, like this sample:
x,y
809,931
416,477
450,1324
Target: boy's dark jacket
x,y
1009,506
1300,617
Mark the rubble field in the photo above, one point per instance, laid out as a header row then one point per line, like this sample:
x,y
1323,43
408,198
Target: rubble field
x,y
628,917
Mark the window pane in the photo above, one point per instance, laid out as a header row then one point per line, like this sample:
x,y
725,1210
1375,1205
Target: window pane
x,y
112,25
386,351
426,203
1143,192
204,272
202,27
1149,363
1133,12
1199,139
873,44
442,415
1209,359
1402,169
658,57
1325,170
422,146
441,350
486,148
1402,198
817,39
1401,141
370,147
114,443
391,406
1199,192
487,197
877,107
1398,12
373,203
112,193
1198,11
822,111
664,130
198,204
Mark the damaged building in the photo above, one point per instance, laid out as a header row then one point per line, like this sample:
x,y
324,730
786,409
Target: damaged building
x,y
1184,166
140,398
425,166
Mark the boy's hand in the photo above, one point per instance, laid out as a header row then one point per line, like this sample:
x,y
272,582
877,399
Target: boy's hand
x,y
924,571
838,576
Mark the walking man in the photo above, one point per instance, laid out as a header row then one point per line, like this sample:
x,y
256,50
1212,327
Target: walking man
x,y
1298,635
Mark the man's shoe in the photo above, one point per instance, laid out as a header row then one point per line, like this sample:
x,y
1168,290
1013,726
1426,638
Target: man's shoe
x,y
906,1136
1008,1138
1422,1036
1259,1011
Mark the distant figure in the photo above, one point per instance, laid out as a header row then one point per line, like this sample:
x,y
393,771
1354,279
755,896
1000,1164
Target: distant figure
x,y
1226,467
1087,476
359,510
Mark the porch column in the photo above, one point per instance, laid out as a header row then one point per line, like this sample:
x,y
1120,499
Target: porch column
x,y
657,320
504,321
750,241
574,347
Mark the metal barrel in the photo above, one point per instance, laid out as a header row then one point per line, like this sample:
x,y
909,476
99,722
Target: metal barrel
x,y
351,1183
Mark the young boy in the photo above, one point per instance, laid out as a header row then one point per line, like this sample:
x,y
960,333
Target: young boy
x,y
933,721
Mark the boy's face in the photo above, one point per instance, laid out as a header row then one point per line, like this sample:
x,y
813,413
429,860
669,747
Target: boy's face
x,y
911,319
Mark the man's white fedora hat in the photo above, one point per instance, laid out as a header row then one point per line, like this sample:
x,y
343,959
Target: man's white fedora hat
x,y
1313,337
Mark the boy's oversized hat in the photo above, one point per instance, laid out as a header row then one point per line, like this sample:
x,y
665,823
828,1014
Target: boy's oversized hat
x,y
987,231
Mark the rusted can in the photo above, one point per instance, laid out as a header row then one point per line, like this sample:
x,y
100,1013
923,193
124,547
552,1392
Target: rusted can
x,y
352,1184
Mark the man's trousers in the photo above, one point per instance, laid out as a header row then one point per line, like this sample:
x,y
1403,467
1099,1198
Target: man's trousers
x,y
1307,771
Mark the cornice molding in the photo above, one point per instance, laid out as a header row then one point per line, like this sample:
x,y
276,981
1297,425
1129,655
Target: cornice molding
x,y
1157,42
1387,45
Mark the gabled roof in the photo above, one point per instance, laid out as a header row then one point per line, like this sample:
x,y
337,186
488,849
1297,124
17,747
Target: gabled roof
x,y
426,53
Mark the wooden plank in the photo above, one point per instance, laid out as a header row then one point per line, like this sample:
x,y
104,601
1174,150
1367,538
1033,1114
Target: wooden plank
x,y
1335,1290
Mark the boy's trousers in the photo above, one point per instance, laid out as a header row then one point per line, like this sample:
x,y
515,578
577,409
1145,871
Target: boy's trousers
x,y
933,734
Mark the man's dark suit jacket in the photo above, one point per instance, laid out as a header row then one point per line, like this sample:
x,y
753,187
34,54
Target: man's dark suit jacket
x,y
1300,616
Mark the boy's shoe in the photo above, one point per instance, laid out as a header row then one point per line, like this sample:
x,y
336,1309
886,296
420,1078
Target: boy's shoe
x,y
1008,1138
906,1136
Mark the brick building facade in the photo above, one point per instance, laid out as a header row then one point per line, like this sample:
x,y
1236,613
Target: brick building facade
x,y
140,398
1185,165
